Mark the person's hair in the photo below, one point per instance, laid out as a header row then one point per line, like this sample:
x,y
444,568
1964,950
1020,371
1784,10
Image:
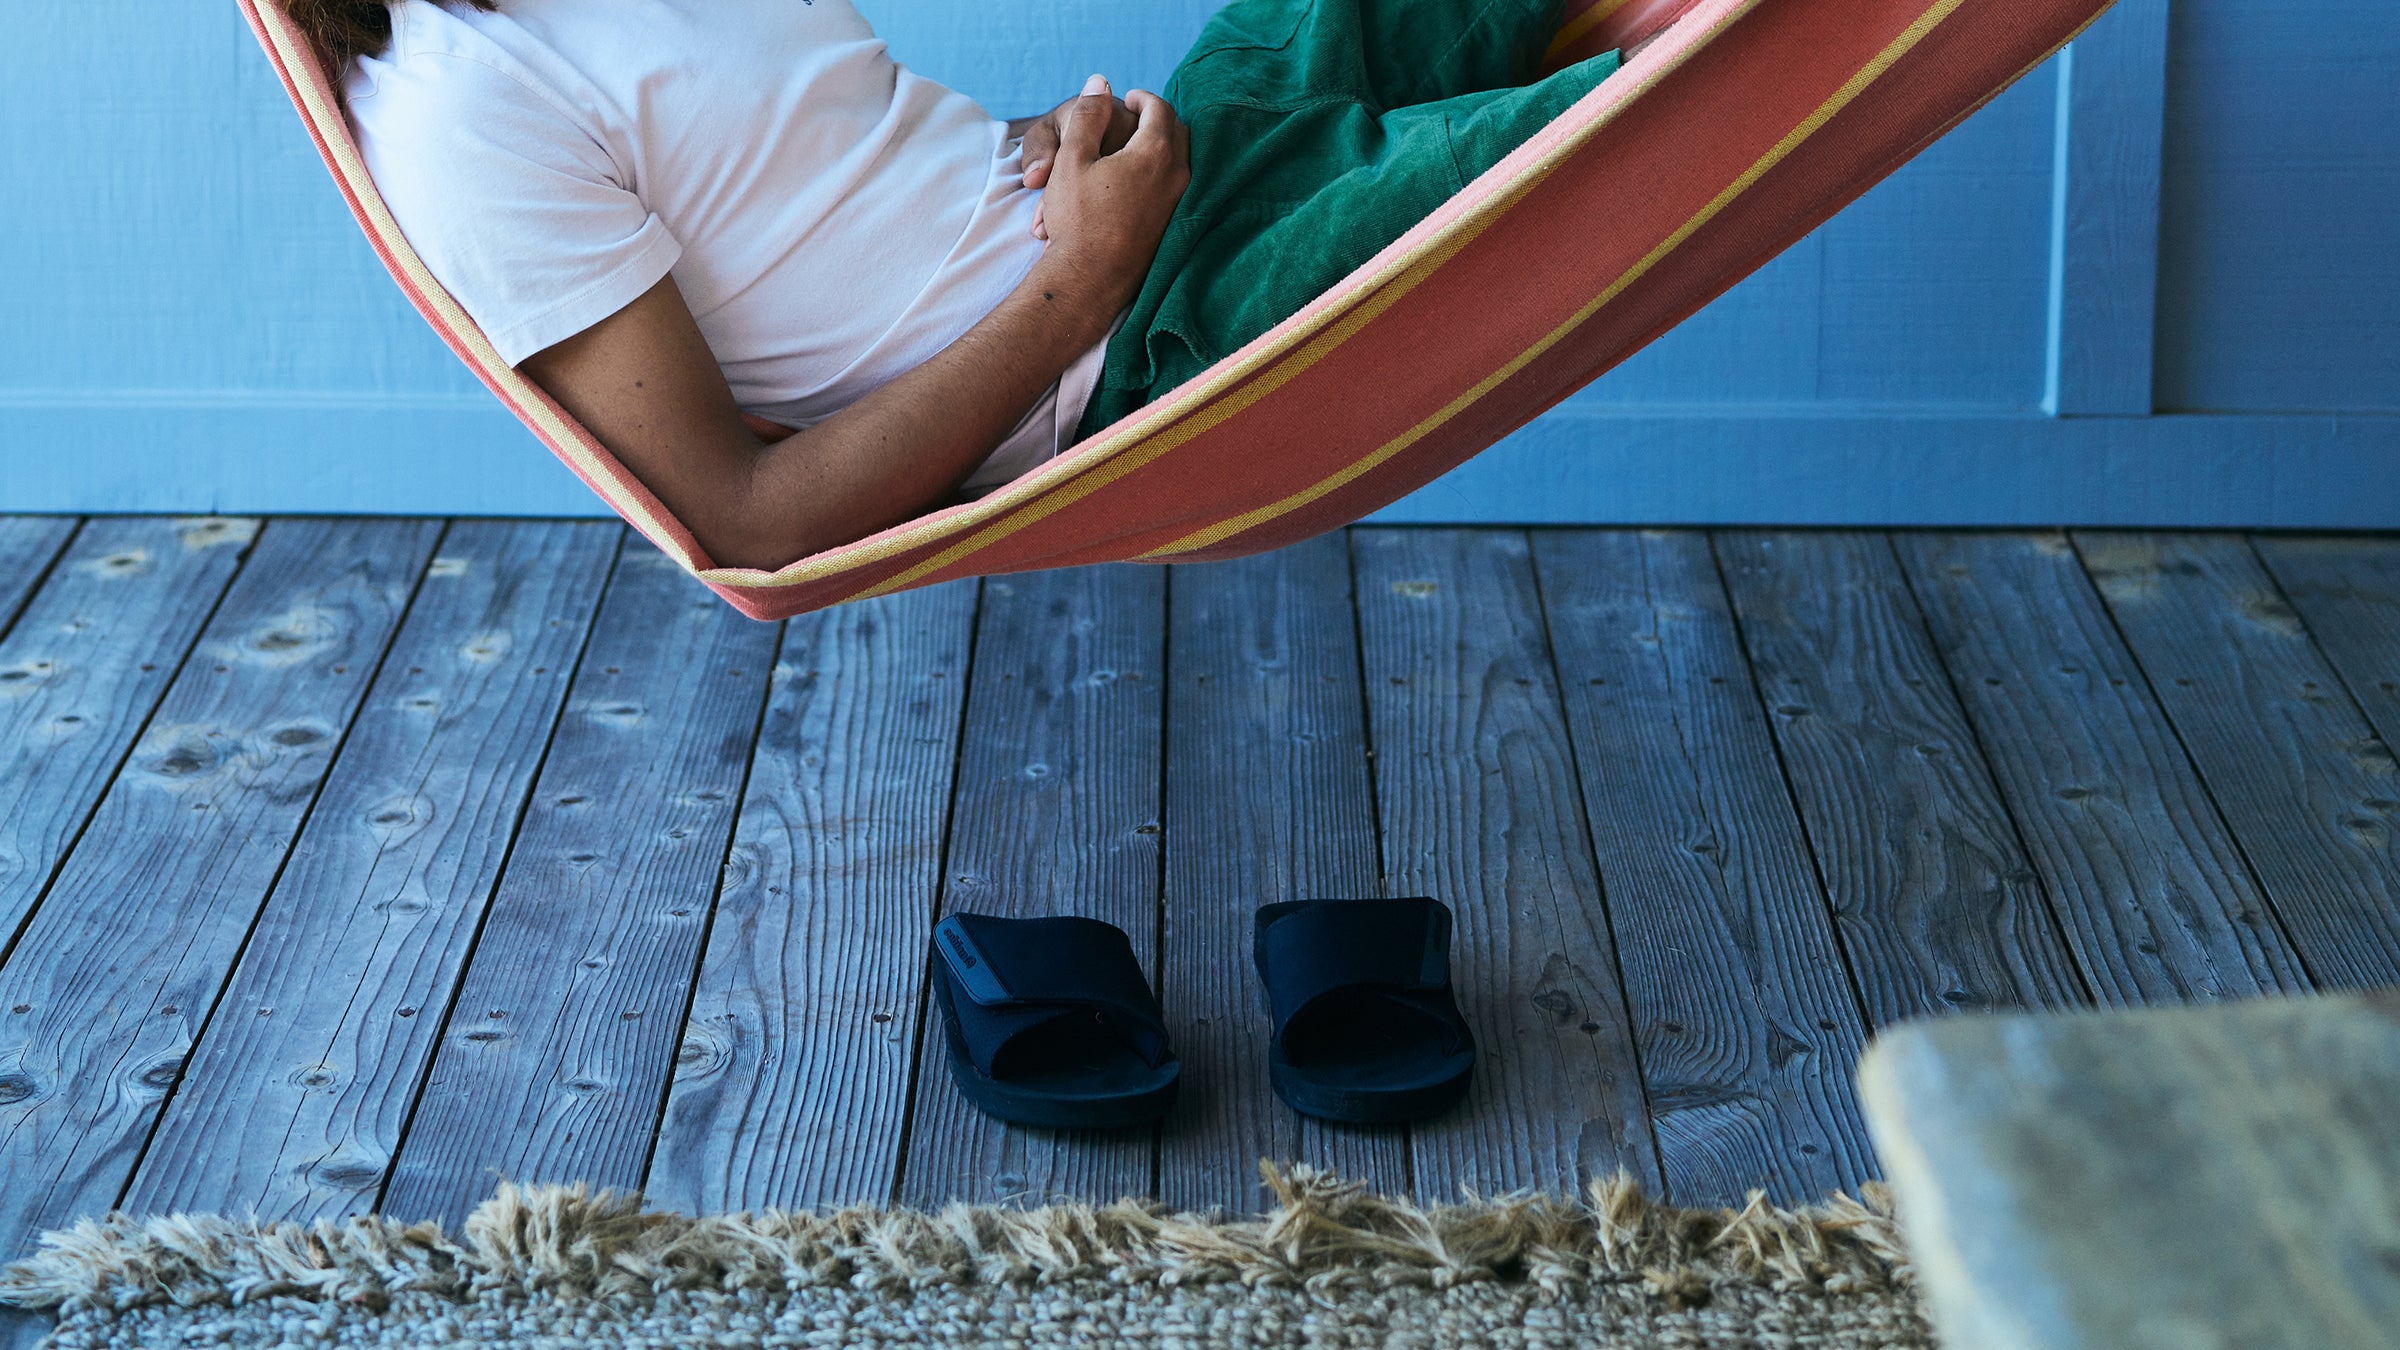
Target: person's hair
x,y
348,28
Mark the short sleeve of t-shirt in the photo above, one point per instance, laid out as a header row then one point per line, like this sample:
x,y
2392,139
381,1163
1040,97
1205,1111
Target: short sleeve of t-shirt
x,y
517,210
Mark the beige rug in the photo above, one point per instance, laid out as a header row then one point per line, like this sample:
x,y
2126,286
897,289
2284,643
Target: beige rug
x,y
1331,1267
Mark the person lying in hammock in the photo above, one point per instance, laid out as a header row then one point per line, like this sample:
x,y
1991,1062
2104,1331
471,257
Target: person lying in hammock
x,y
670,214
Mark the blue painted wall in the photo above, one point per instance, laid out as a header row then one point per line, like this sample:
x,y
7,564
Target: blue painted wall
x,y
2279,261
2155,283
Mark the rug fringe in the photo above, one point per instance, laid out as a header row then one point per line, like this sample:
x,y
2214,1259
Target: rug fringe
x,y
574,1242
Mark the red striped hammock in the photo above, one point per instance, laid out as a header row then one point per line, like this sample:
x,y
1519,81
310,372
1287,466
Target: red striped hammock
x,y
1744,126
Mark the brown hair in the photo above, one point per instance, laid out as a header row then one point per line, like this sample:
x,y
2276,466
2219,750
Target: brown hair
x,y
348,28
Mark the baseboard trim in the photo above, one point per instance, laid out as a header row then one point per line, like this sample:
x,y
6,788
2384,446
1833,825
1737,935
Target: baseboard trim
x,y
1584,464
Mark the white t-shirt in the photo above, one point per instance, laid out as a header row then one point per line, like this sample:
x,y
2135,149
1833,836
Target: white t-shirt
x,y
832,219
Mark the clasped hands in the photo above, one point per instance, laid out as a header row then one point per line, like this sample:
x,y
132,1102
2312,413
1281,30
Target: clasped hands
x,y
1110,172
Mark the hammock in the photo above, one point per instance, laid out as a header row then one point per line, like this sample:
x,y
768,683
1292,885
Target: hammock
x,y
1745,125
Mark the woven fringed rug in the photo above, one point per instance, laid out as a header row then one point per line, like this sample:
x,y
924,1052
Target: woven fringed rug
x,y
1332,1266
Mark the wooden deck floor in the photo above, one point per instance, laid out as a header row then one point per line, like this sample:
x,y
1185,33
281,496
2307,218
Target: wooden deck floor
x,y
347,864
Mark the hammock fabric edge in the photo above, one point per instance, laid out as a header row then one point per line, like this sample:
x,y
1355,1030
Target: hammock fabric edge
x,y
1747,124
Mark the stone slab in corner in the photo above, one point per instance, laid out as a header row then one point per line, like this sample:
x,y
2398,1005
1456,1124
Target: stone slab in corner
x,y
2192,1178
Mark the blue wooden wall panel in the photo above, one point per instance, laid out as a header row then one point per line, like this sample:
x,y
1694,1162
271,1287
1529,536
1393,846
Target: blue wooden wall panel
x,y
1927,290
2104,193
168,227
2280,244
191,321
1918,467
1934,281
1729,464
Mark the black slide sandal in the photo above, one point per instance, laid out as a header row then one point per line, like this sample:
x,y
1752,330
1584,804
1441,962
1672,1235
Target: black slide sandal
x,y
1051,1022
1366,1030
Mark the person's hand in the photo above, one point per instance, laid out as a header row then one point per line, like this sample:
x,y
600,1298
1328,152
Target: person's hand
x,y
1041,135
1039,148
1104,213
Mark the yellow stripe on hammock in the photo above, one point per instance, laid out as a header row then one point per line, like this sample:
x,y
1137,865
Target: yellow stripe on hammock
x,y
1575,29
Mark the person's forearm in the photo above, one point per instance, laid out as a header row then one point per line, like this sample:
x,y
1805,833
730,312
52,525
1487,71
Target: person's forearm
x,y
645,383
895,453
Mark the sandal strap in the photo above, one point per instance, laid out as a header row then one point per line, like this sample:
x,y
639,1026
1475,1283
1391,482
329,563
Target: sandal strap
x,y
1013,975
1400,947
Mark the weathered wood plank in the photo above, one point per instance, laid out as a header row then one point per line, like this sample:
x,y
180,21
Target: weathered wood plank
x,y
2348,593
28,546
555,1056
1057,812
1749,1028
292,1106
2288,756
2141,872
1476,783
2224,1176
117,975
1932,895
80,672
791,1089
1270,797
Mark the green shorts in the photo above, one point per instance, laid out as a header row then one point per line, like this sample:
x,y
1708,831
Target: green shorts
x,y
1322,130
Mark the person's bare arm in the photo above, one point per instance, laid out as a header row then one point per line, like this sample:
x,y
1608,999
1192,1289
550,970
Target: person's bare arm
x,y
644,382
